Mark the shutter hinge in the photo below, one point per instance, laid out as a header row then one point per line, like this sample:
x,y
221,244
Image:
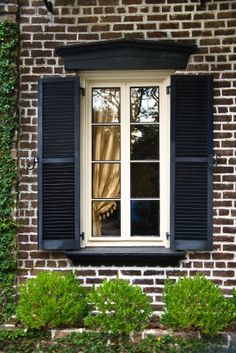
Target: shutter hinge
x,y
82,235
168,90
33,163
82,91
215,160
167,235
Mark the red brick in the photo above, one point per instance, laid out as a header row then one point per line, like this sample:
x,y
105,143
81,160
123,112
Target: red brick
x,y
143,281
169,25
109,10
214,24
109,35
100,28
111,19
131,2
93,280
108,2
107,272
223,273
157,34
153,273
222,256
123,27
157,18
131,272
214,33
88,36
133,18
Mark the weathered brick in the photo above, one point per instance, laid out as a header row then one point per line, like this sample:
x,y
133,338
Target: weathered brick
x,y
123,27
111,19
131,2
169,25
107,272
84,20
133,18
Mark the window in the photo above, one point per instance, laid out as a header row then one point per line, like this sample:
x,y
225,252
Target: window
x,y
125,141
72,164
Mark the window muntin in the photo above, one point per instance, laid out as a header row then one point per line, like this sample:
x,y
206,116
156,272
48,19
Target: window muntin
x,y
159,206
142,124
144,161
106,168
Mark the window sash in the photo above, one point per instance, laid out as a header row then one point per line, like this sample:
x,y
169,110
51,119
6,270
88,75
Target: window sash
x,y
125,240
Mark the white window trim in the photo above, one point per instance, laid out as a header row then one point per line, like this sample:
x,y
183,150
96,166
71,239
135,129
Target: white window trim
x,y
133,78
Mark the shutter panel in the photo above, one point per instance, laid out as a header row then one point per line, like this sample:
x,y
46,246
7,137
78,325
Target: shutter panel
x,y
191,162
58,169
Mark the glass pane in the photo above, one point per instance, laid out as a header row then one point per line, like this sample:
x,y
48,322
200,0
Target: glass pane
x,y
106,105
144,142
106,180
144,218
106,143
144,104
145,180
106,218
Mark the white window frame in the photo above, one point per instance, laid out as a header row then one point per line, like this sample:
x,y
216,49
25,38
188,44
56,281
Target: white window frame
x,y
126,79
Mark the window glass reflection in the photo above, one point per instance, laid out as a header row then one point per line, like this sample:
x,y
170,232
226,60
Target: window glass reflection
x,y
144,104
144,218
106,218
144,142
106,105
145,180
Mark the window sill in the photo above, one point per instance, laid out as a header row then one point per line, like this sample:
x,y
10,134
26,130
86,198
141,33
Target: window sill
x,y
125,256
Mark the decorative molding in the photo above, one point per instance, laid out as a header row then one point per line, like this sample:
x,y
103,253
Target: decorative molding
x,y
126,54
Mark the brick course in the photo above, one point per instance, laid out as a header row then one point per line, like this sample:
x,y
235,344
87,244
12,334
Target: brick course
x,y
213,30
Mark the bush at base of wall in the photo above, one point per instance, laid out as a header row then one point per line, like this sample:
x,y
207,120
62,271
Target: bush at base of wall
x,y
8,127
52,300
196,303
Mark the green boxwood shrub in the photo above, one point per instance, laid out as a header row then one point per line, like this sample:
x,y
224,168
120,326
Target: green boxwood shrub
x,y
120,308
196,303
51,300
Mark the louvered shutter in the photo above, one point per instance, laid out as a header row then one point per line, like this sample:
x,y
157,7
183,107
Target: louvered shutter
x,y
191,162
58,169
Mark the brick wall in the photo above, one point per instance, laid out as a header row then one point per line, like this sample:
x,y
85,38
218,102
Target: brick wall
x,y
213,29
9,9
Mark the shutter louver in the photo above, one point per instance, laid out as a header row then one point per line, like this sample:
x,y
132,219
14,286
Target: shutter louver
x,y
191,162
58,163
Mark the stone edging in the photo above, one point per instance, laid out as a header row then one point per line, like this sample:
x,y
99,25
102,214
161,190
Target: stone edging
x,y
225,338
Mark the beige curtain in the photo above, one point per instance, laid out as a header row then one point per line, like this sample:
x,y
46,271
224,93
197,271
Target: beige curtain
x,y
106,176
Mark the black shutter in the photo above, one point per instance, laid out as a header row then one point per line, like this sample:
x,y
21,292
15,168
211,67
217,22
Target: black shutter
x,y
191,162
58,169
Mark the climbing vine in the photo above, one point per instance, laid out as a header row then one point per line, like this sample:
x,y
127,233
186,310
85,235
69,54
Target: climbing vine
x,y
8,175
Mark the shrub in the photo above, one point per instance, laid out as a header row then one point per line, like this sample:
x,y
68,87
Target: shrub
x,y
51,300
196,303
120,308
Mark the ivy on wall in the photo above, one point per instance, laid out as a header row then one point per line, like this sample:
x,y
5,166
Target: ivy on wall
x,y
8,175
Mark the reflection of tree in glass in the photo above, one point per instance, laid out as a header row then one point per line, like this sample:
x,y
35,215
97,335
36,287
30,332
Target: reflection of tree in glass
x,y
144,104
144,142
106,104
145,180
